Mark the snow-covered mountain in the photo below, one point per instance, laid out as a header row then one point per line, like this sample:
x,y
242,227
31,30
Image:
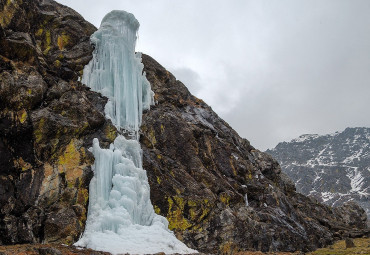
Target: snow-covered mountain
x,y
333,168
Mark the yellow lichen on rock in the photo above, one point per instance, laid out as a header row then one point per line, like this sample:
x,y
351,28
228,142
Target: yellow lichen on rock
x,y
62,40
232,166
22,116
228,248
224,198
159,180
110,132
38,132
6,15
157,209
152,138
175,216
20,163
47,45
69,163
198,209
57,63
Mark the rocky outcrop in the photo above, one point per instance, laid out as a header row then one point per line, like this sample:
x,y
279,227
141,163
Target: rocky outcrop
x,y
47,122
200,171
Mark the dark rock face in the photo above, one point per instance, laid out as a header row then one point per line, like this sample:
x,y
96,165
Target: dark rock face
x,y
47,122
333,169
200,171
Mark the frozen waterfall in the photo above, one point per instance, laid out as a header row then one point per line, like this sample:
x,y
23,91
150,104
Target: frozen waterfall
x,y
121,218
116,71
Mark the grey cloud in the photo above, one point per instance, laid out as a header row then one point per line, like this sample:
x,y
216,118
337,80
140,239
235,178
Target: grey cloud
x,y
188,77
272,69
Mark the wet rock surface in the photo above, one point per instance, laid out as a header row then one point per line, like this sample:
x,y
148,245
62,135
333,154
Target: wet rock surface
x,y
200,171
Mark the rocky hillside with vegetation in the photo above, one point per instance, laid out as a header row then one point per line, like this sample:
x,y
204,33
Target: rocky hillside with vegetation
x,y
219,193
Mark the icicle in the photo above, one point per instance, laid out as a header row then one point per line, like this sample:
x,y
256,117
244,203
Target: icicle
x,y
116,71
121,218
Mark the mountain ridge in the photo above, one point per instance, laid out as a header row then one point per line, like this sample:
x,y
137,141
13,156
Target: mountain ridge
x,y
343,156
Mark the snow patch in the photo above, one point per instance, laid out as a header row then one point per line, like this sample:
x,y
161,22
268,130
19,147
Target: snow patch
x,y
305,137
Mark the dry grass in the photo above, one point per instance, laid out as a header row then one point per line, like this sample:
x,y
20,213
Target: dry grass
x,y
33,249
339,248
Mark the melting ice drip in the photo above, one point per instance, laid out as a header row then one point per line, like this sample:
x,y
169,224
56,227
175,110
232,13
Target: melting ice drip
x,y
121,218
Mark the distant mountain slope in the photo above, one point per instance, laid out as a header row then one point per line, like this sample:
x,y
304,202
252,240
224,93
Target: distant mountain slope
x,y
333,168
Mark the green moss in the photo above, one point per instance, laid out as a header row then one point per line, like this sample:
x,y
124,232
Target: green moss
x,y
159,180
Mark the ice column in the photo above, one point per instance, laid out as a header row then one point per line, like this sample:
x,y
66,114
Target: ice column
x,y
121,218
116,71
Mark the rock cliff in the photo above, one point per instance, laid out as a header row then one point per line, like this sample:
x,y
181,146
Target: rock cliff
x,y
47,122
200,171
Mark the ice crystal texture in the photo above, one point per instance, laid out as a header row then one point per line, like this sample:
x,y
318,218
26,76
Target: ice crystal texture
x,y
121,218
117,72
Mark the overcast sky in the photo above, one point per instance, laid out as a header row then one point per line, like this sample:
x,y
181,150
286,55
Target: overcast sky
x,y
272,69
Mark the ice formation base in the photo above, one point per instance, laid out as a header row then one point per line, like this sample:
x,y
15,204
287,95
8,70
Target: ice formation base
x,y
121,218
